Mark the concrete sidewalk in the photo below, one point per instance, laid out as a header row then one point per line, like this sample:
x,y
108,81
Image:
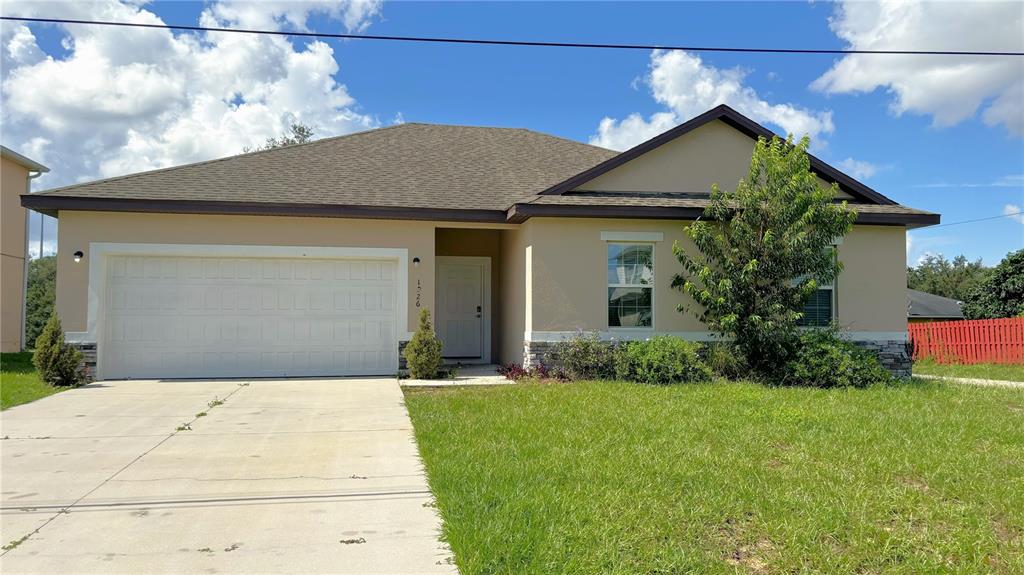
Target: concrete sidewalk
x,y
292,476
975,381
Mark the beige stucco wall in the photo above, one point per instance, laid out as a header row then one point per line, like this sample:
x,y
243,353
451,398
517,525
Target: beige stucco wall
x,y
872,290
13,183
478,243
513,304
714,153
569,288
78,229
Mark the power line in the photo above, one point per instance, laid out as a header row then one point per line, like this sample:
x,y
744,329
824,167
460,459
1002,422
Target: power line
x,y
1011,214
487,42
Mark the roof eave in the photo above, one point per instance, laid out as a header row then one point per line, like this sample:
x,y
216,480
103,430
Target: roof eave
x,y
30,164
522,212
52,204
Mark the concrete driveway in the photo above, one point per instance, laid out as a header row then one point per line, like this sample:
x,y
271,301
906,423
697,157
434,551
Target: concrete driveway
x,y
294,476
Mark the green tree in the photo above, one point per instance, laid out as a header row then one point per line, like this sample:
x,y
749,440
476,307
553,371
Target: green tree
x,y
423,352
297,134
953,279
42,289
762,251
1001,294
57,362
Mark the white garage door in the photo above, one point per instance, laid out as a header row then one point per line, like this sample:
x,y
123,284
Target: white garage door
x,y
168,317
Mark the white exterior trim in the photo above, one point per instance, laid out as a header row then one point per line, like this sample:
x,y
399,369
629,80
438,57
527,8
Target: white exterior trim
x,y
485,263
632,236
639,334
98,252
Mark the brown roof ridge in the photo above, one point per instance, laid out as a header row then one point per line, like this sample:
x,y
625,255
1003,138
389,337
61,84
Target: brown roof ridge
x,y
222,159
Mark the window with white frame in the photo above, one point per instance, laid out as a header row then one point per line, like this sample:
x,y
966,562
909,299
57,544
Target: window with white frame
x,y
630,285
819,311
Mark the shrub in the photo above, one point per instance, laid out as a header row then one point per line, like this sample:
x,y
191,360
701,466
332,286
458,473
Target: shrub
x,y
823,359
56,361
513,371
661,360
423,352
585,356
725,360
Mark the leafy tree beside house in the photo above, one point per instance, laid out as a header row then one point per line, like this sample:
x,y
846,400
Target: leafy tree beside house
x,y
954,278
1001,294
42,289
762,251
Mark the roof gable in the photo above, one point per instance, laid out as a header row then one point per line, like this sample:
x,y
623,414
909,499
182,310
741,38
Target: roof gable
x,y
735,120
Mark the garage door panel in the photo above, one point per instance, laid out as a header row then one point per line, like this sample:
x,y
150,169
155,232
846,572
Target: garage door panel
x,y
206,317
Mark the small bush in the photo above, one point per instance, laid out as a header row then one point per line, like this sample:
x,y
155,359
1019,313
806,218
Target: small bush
x,y
823,359
423,352
56,361
585,356
661,360
725,360
513,371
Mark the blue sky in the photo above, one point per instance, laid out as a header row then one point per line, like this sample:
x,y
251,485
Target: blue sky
x,y
897,132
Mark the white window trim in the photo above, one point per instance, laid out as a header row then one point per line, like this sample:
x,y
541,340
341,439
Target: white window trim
x,y
632,237
831,286
98,252
651,286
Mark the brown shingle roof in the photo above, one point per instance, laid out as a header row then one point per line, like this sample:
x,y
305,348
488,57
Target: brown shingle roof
x,y
409,165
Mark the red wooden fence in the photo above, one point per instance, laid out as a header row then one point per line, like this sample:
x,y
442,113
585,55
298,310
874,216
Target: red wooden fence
x,y
970,341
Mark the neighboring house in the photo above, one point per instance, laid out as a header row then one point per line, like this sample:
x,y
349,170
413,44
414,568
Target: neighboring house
x,y
16,172
924,307
315,259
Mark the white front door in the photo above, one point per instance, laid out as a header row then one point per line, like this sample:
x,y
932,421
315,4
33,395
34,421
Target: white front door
x,y
461,313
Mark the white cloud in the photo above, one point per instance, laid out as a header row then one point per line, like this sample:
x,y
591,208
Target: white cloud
x,y
1014,212
948,88
687,86
1010,181
859,169
123,100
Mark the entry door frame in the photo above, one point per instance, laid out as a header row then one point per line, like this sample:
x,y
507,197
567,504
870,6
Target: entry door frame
x,y
485,267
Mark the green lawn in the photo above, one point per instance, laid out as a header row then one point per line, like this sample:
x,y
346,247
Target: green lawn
x,y
602,477
1003,372
19,382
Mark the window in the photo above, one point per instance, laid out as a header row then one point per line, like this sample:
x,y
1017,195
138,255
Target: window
x,y
630,284
819,311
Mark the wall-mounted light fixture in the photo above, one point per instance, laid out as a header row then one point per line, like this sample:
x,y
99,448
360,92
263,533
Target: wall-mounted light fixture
x,y
415,262
78,256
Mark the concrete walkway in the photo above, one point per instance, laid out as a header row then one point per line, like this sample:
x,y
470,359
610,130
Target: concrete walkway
x,y
975,381
466,375
297,476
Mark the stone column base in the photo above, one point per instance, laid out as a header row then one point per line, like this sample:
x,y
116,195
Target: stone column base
x,y
88,365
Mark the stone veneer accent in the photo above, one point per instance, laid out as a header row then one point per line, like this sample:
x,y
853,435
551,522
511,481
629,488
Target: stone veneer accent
x,y
894,354
401,354
88,364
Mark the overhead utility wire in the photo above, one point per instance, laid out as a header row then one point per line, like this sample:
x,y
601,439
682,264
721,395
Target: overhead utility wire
x,y
480,41
1009,215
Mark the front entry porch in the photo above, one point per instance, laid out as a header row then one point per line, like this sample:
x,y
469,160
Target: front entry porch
x,y
467,291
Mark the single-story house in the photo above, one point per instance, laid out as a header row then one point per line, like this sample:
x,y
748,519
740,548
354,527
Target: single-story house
x,y
315,259
16,173
923,307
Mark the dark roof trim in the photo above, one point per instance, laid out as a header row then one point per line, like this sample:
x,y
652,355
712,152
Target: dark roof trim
x,y
736,120
52,204
522,212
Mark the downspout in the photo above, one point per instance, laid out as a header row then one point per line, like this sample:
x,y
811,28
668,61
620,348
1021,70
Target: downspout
x,y
25,264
